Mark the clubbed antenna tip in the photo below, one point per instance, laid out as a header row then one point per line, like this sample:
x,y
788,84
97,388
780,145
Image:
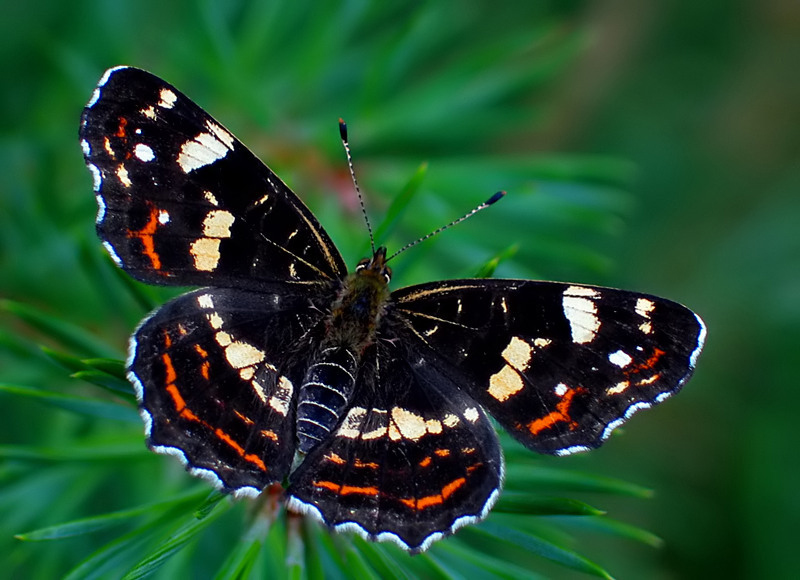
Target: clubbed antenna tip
x,y
346,144
496,197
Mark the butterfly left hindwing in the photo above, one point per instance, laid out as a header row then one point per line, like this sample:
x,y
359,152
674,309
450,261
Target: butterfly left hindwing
x,y
413,460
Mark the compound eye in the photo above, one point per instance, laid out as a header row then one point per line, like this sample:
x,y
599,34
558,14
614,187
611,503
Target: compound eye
x,y
362,264
387,274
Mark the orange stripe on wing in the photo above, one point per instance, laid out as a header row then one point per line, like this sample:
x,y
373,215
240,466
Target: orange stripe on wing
x,y
145,235
427,501
346,489
186,413
172,389
252,458
561,414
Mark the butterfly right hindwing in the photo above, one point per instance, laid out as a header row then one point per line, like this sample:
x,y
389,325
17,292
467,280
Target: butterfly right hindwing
x,y
217,373
413,459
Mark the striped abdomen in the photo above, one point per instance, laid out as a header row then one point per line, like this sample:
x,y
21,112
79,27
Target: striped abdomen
x,y
325,394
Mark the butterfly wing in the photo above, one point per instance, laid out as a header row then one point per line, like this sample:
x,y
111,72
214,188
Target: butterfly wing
x,y
558,365
413,459
216,372
182,201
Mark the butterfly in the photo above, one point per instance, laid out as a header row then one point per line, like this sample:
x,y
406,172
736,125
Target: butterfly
x,y
372,405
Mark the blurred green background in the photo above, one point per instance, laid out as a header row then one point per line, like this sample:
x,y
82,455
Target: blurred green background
x,y
647,145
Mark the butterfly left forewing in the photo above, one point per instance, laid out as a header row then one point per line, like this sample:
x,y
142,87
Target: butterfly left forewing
x,y
558,365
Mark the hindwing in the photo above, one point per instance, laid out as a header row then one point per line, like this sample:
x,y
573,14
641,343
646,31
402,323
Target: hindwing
x,y
413,459
216,373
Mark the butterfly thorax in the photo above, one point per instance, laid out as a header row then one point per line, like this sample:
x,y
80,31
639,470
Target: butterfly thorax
x,y
360,304
351,327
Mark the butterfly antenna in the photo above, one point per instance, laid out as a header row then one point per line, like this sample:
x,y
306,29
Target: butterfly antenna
x,y
496,197
346,143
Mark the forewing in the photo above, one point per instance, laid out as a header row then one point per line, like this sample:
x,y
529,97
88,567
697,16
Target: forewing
x,y
413,459
558,365
215,377
182,201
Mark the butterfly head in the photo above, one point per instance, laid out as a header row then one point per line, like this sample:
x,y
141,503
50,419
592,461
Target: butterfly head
x,y
375,266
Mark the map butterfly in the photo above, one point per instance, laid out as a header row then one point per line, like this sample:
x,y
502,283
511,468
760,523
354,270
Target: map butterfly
x,y
372,406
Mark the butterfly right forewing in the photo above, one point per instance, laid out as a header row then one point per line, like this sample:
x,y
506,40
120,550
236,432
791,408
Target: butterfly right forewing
x,y
182,201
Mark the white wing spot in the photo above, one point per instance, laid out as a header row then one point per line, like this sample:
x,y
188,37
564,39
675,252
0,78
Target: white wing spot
x,y
210,198
581,312
205,301
508,381
259,390
431,331
218,224
122,175
221,134
471,414
283,396
163,217
350,427
618,388
144,152
620,358
205,252
215,320
644,307
451,420
582,291
168,99
408,425
518,353
223,338
505,383
203,150
241,355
